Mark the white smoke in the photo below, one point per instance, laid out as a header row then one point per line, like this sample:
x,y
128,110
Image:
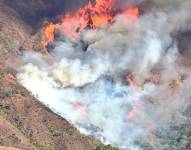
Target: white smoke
x,y
91,90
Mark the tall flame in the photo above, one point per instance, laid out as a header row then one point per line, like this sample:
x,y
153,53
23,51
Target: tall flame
x,y
93,15
49,33
90,16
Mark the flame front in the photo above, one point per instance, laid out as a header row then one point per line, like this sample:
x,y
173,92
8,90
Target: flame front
x,y
49,33
93,16
114,74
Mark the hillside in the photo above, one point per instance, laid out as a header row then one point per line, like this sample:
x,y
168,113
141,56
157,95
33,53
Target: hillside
x,y
24,122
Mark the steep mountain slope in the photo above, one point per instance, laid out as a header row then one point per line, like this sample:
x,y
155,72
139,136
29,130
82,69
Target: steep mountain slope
x,y
24,122
27,124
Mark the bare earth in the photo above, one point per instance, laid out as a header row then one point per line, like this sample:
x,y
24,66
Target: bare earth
x,y
24,122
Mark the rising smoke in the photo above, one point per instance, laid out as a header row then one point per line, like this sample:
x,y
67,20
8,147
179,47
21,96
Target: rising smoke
x,y
129,81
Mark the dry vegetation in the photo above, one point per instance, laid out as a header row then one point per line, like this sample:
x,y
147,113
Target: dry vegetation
x,y
28,125
24,122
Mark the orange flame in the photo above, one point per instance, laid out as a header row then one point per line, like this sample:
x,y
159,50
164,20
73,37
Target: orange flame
x,y
93,15
132,13
49,33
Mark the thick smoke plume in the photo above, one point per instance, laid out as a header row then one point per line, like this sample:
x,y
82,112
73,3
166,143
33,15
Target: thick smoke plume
x,y
129,80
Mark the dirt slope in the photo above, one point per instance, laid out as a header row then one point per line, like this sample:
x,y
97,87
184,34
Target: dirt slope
x,y
28,125
13,33
24,122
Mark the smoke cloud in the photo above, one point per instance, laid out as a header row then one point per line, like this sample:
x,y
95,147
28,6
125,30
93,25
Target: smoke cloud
x,y
129,81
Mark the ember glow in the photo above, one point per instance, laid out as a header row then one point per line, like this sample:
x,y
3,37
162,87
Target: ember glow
x,y
79,106
113,72
132,113
131,82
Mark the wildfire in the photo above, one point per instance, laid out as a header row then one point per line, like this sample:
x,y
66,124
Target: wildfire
x,y
131,82
79,106
90,16
132,113
98,14
49,33
132,13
